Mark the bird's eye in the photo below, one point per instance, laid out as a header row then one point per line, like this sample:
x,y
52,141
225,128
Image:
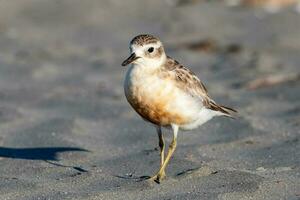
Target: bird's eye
x,y
151,49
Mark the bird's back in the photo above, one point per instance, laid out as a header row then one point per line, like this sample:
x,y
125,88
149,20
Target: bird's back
x,y
187,81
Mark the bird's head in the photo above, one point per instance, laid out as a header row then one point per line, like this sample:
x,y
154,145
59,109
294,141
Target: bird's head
x,y
147,51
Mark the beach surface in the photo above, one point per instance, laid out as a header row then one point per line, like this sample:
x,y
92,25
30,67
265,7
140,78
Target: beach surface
x,y
67,131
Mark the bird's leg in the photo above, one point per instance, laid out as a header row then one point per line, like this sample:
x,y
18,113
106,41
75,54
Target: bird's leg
x,y
161,173
161,145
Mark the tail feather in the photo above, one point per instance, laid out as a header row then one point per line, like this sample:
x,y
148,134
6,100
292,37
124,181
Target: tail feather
x,y
229,112
227,108
223,109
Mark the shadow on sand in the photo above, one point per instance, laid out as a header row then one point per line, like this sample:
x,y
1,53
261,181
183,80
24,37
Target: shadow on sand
x,y
47,154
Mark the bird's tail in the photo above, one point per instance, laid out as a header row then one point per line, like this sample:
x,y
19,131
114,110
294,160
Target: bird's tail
x,y
226,111
229,112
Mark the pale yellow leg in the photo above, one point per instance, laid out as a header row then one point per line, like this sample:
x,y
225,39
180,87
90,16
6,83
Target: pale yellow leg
x,y
161,173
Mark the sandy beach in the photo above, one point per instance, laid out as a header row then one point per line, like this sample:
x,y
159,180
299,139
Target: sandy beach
x,y
67,131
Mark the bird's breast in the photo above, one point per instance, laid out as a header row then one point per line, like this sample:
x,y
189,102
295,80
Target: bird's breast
x,y
156,100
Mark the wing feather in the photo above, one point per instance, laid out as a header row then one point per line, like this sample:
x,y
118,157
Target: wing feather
x,y
186,79
190,83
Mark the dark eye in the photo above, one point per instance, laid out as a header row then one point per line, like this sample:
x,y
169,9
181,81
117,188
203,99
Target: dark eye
x,y
151,49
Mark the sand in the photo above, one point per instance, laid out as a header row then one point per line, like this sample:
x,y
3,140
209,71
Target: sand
x,y
67,132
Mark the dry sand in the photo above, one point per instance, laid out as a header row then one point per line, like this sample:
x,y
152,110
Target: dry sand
x,y
67,132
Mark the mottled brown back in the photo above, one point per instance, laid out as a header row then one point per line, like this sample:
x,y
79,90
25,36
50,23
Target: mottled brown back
x,y
186,80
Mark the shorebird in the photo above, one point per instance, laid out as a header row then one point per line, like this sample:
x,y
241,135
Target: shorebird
x,y
166,94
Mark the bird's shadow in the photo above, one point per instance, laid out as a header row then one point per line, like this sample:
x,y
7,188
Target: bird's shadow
x,y
47,154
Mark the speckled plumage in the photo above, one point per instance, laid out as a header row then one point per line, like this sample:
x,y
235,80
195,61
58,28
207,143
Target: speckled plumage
x,y
190,83
143,39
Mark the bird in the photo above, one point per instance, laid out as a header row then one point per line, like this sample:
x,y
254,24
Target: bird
x,y
166,94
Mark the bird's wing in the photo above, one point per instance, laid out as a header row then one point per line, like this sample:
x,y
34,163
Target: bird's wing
x,y
187,80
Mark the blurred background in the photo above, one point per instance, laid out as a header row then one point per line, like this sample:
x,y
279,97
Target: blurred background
x,y
67,131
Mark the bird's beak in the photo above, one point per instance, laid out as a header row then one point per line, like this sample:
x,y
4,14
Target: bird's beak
x,y
130,59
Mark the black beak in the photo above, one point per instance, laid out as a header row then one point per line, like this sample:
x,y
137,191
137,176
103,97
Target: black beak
x,y
130,59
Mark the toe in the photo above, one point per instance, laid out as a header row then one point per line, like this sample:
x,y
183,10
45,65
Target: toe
x,y
158,177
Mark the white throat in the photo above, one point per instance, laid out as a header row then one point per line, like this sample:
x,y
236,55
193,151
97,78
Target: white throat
x,y
150,64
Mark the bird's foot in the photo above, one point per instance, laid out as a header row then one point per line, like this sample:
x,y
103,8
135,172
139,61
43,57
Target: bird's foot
x,y
158,177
